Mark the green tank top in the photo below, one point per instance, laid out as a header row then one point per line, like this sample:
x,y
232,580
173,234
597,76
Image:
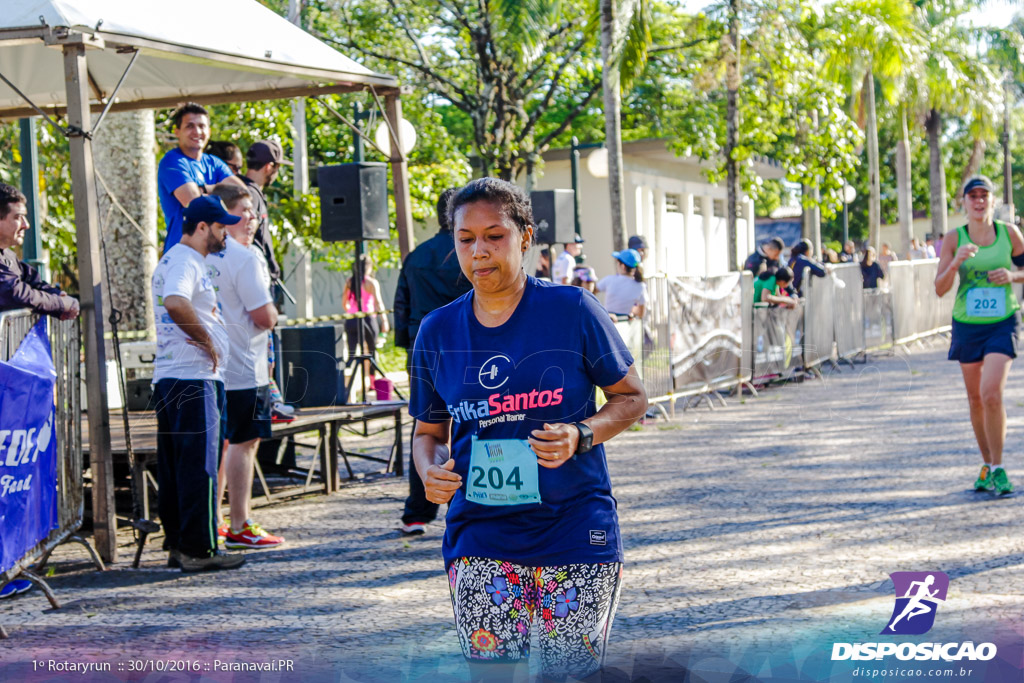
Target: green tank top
x,y
978,301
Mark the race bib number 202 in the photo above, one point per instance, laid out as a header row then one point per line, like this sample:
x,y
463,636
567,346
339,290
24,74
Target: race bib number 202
x,y
986,302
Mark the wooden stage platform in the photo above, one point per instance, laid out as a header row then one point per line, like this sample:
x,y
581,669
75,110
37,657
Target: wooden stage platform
x,y
329,425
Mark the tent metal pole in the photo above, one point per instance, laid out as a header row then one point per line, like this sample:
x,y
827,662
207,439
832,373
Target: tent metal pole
x,y
113,95
399,175
90,279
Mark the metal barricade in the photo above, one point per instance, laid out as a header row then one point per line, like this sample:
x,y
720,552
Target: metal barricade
x,y
878,332
778,333
65,344
917,310
903,292
819,320
656,361
848,310
695,332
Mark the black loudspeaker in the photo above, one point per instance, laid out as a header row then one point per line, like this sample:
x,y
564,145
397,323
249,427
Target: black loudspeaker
x,y
313,362
554,216
353,202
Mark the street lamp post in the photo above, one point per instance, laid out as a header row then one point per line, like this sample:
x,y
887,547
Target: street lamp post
x,y
849,194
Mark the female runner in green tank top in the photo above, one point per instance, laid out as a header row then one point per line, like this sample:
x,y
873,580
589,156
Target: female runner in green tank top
x,y
985,320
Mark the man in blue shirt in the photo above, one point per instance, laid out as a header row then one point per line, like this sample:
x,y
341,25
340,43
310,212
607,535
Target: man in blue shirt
x,y
185,172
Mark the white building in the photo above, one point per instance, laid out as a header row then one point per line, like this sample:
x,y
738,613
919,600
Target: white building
x,y
669,202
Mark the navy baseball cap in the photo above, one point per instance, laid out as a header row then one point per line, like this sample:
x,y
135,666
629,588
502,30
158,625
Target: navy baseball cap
x,y
209,210
978,181
637,242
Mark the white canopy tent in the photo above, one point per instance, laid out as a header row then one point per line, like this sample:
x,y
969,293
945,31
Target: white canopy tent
x,y
227,50
76,57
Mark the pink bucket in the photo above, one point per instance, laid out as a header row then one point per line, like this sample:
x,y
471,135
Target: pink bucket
x,y
385,388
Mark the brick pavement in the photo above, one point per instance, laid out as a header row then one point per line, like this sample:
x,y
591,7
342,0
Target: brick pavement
x,y
763,530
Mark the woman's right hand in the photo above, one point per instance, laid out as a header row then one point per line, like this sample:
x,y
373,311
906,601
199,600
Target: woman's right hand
x,y
441,482
965,252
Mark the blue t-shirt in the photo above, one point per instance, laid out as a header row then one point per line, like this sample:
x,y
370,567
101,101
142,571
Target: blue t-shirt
x,y
175,170
502,383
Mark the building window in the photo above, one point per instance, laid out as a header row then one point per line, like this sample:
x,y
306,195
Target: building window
x,y
719,208
673,203
698,207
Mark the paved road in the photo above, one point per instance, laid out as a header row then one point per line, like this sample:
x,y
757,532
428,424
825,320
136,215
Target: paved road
x,y
756,536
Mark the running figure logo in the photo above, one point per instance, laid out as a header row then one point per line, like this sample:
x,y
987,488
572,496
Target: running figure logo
x,y
918,595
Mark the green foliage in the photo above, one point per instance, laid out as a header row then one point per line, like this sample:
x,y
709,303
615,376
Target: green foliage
x,y
58,229
499,83
787,112
509,77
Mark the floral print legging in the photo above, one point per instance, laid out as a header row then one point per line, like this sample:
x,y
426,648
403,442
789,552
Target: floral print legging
x,y
496,602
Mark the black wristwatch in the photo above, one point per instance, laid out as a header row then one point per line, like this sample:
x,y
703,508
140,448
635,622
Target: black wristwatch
x,y
586,441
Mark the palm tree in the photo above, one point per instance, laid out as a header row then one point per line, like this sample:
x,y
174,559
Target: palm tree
x,y
873,39
953,81
624,41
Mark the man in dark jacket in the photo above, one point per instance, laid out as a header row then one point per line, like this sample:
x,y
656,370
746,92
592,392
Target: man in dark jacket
x,y
20,284
430,278
766,257
262,163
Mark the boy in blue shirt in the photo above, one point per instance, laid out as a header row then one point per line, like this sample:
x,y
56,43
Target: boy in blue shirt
x,y
185,172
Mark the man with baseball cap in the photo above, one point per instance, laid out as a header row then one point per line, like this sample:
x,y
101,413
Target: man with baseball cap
x,y
186,172
192,348
639,245
566,261
263,161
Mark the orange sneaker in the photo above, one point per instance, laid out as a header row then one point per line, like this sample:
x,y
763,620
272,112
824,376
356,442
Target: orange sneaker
x,y
252,535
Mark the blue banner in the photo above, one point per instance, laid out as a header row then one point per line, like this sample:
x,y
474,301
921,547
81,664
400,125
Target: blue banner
x,y
28,449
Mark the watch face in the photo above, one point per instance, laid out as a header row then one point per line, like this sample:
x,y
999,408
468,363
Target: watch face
x,y
586,440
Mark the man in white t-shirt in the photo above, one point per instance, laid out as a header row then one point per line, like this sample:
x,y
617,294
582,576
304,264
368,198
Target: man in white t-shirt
x,y
561,274
242,280
192,348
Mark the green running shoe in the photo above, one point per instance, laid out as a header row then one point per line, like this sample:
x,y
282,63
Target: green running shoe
x,y
1001,482
984,482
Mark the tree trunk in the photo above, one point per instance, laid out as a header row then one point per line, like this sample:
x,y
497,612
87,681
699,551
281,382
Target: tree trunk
x,y
124,154
904,200
973,164
732,129
1007,156
612,122
875,197
936,174
815,212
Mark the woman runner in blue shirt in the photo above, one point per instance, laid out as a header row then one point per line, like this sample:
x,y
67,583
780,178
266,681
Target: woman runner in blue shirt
x,y
508,434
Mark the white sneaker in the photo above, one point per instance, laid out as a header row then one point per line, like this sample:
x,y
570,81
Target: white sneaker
x,y
284,408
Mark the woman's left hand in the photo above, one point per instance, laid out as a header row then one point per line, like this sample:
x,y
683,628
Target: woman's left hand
x,y
554,444
999,276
